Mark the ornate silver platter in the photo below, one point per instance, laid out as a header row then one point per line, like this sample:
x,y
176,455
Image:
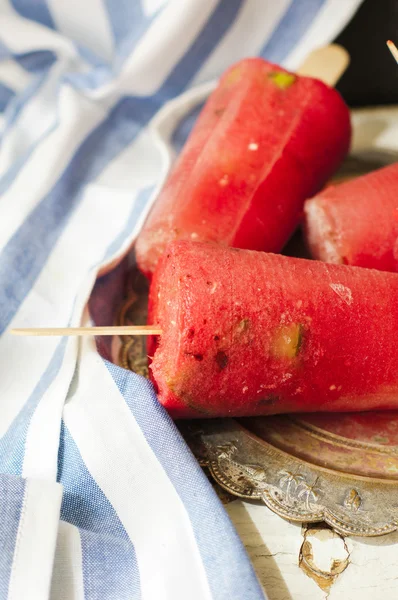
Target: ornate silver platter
x,y
304,472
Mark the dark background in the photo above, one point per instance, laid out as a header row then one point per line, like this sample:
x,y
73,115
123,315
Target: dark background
x,y
372,77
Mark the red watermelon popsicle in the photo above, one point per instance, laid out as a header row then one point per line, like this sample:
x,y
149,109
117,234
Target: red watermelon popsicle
x,y
356,223
265,141
251,333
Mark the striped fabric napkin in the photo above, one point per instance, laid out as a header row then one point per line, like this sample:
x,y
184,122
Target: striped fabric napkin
x,y
99,496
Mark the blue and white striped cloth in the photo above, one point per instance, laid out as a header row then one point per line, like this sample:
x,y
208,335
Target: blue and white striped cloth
x,y
99,496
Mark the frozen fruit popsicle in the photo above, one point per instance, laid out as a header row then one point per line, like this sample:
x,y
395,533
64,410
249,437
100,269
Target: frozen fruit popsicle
x,y
356,223
251,333
265,141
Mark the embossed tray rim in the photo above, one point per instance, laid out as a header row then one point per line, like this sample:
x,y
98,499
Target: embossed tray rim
x,y
341,440
336,471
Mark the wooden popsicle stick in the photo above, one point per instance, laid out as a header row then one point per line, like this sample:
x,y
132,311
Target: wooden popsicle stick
x,y
327,64
71,331
393,49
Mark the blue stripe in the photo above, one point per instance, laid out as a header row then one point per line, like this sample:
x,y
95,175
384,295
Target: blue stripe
x,y
227,565
126,19
12,490
33,61
128,24
211,35
291,29
35,11
6,94
110,567
36,61
12,444
4,51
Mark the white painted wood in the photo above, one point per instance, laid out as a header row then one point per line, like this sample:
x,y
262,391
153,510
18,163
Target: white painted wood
x,y
273,545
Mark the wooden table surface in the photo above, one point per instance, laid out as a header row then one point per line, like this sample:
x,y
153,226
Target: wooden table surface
x,y
314,563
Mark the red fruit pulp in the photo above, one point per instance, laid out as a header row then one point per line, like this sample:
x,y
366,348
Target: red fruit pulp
x,y
356,223
265,141
250,333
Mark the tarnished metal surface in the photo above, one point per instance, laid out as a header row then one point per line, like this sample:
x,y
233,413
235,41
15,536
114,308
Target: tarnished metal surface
x,y
252,467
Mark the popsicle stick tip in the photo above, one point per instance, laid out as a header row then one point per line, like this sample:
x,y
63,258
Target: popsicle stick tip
x,y
327,63
393,49
87,331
